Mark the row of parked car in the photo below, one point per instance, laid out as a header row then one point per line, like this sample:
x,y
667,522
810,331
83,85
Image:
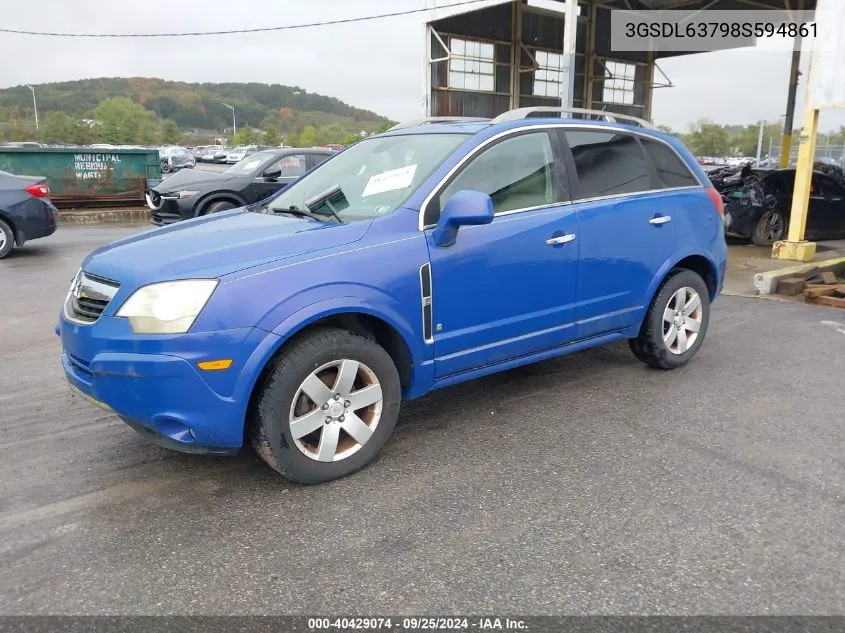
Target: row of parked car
x,y
174,158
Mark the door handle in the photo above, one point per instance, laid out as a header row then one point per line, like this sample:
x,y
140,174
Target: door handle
x,y
563,239
663,219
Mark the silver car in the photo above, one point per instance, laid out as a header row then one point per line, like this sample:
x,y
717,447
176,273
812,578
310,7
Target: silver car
x,y
237,154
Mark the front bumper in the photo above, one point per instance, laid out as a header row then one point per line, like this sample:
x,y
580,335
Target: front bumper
x,y
154,384
168,210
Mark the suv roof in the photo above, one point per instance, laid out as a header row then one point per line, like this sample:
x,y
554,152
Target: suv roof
x,y
518,117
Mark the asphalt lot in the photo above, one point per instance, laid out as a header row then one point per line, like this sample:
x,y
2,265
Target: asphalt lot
x,y
588,484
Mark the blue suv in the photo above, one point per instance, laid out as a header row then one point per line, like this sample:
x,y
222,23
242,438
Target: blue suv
x,y
432,254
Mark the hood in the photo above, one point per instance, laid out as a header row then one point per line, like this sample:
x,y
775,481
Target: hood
x,y
216,245
191,178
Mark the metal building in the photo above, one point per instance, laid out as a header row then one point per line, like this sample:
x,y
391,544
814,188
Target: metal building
x,y
494,55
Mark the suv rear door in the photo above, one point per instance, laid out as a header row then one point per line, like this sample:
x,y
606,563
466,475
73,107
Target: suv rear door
x,y
508,288
626,227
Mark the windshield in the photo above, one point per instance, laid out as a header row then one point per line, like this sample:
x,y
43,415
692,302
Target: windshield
x,y
249,164
375,176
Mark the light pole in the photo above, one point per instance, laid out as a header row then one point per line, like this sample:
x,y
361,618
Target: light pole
x,y
759,142
34,106
234,124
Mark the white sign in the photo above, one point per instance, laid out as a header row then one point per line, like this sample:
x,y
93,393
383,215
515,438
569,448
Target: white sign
x,y
93,166
826,83
390,180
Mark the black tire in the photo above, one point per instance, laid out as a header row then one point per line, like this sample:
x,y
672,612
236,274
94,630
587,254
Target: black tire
x,y
217,207
649,346
8,240
771,227
269,426
165,167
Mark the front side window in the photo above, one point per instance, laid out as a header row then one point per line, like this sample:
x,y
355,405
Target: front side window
x,y
670,169
608,163
375,176
517,173
292,166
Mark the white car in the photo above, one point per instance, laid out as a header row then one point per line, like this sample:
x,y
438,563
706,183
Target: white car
x,y
237,154
214,154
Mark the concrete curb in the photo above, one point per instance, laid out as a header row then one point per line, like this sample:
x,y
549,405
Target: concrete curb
x,y
104,216
766,283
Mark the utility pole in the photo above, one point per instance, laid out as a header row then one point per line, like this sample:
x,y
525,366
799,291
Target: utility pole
x,y
234,123
794,73
759,143
34,107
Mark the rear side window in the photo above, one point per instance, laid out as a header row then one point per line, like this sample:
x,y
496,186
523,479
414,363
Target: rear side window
x,y
669,167
608,163
316,159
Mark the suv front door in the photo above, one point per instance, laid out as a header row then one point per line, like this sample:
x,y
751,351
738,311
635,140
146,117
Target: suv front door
x,y
626,231
508,288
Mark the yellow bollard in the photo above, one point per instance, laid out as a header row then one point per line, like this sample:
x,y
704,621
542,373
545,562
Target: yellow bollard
x,y
795,247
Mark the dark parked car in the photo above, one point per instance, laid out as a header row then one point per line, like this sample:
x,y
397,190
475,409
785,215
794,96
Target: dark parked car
x,y
191,193
758,203
26,212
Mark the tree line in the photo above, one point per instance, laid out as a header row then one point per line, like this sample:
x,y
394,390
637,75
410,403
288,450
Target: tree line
x,y
122,121
192,106
706,138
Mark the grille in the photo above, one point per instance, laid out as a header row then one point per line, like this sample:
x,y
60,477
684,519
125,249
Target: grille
x,y
88,297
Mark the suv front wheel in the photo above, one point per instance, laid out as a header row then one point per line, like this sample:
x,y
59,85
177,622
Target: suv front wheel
x,y
327,406
676,322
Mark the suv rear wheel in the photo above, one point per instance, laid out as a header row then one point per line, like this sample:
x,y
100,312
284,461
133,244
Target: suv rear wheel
x,y
327,407
676,322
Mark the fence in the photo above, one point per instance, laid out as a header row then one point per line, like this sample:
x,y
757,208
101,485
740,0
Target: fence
x,y
834,152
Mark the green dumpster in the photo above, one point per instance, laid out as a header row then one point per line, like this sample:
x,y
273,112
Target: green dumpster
x,y
84,176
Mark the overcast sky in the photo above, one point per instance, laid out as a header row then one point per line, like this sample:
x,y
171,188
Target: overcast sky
x,y
375,65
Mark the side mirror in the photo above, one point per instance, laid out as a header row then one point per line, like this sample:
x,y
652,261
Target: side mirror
x,y
271,173
465,208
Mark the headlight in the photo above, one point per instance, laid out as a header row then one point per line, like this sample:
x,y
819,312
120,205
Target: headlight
x,y
187,194
170,307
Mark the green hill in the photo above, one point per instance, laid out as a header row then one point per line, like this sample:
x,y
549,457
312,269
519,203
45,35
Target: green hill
x,y
192,106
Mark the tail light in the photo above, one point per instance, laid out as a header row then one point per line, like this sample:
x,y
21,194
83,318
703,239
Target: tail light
x,y
716,199
39,190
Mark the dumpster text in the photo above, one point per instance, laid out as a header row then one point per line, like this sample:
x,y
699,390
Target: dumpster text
x,y
92,166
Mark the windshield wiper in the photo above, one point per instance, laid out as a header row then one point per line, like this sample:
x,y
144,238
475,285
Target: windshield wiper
x,y
300,213
325,199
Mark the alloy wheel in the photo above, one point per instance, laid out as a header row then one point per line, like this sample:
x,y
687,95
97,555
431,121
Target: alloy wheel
x,y
335,410
773,226
682,320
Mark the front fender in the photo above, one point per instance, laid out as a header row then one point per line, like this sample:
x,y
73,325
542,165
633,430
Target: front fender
x,y
289,322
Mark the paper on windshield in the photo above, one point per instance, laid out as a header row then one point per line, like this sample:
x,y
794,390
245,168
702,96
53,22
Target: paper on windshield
x,y
251,165
390,180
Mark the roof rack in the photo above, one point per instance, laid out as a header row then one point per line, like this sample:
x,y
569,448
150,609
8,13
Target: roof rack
x,y
439,119
524,113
